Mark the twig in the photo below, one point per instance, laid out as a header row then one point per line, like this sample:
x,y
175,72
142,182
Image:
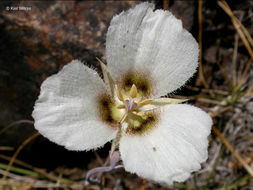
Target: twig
x,y
29,139
214,114
201,75
38,170
210,101
18,181
165,4
16,123
202,99
244,73
249,92
216,91
247,34
234,59
237,24
6,148
16,161
230,148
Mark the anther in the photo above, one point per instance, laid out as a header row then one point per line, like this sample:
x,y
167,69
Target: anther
x,y
144,102
121,106
133,91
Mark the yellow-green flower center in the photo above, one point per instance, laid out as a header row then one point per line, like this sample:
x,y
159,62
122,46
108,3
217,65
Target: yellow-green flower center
x,y
126,108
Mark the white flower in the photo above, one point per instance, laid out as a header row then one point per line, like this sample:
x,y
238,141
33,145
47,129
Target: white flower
x,y
148,54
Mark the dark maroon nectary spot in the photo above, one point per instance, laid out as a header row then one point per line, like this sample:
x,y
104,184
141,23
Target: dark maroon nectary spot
x,y
147,125
105,104
141,81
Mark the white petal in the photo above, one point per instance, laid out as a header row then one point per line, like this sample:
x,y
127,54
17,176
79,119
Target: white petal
x,y
66,111
173,149
153,44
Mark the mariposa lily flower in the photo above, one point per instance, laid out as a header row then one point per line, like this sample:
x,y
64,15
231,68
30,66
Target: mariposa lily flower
x,y
149,55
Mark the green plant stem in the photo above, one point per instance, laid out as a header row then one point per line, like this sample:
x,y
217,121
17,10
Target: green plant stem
x,y
21,171
34,174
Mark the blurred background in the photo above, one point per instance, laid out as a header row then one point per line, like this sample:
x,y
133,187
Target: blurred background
x,y
37,40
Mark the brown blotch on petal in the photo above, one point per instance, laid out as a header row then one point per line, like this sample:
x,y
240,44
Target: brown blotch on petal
x,y
105,103
141,81
146,126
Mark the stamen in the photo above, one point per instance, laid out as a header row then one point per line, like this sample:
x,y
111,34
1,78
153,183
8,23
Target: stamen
x,y
121,106
144,102
119,95
133,91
